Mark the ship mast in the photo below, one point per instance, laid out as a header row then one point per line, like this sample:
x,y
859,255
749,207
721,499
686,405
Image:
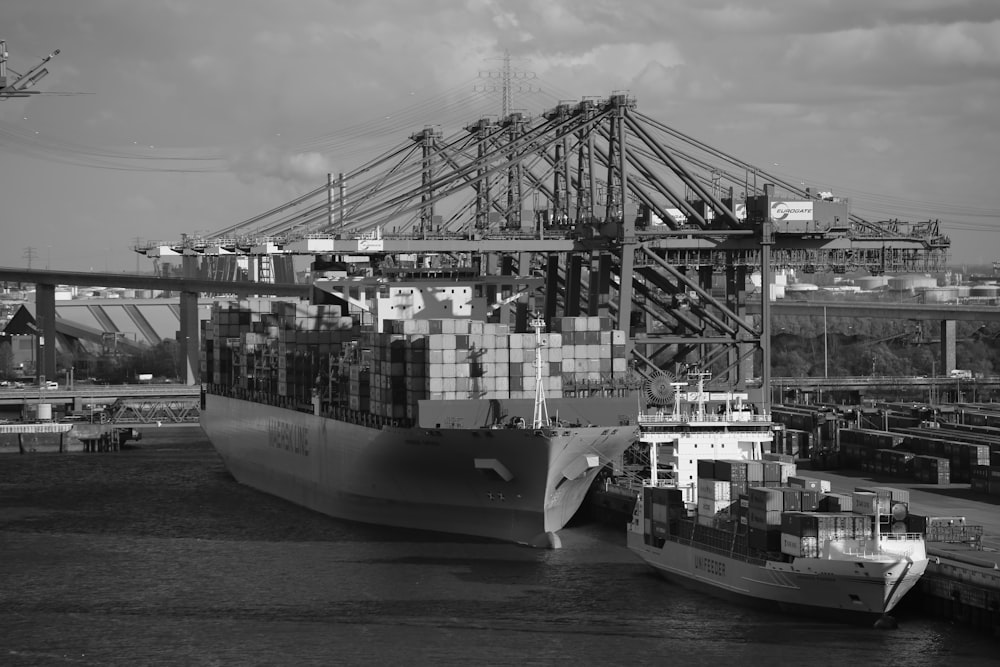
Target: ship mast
x,y
701,377
678,415
878,521
541,416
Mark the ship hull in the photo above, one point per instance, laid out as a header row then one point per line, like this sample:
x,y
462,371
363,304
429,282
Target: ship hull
x,y
846,590
517,485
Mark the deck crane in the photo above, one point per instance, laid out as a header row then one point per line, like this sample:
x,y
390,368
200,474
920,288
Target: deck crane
x,y
19,87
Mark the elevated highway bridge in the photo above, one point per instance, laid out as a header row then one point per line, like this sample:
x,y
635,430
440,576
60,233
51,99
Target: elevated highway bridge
x,y
133,404
127,404
941,389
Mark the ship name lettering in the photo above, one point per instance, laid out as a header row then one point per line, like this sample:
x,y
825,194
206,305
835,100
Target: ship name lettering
x,y
287,436
710,566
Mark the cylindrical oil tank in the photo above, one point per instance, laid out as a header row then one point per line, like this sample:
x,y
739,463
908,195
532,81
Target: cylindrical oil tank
x,y
871,282
44,412
940,295
985,290
910,283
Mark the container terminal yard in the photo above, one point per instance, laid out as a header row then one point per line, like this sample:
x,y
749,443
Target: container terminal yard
x,y
948,457
594,209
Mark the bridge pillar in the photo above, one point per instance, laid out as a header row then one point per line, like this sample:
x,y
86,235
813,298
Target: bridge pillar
x,y
551,286
189,337
626,269
521,306
506,268
947,346
741,355
45,323
600,285
574,267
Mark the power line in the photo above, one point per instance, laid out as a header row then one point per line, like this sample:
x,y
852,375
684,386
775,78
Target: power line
x,y
507,76
30,253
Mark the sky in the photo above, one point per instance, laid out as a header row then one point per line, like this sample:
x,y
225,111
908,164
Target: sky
x,y
175,117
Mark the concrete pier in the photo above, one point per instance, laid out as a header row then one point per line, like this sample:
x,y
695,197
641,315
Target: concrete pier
x,y
94,437
41,428
962,585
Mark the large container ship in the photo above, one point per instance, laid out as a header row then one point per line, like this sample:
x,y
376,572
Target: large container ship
x,y
399,402
760,533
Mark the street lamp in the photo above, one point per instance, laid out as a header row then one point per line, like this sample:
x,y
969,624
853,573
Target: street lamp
x,y
826,355
933,375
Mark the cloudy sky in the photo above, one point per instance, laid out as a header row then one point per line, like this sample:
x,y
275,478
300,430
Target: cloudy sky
x,y
196,114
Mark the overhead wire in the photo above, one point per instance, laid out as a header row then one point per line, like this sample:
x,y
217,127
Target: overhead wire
x,y
454,108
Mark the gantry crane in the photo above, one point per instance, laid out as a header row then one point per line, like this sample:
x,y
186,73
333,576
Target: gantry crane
x,y
620,214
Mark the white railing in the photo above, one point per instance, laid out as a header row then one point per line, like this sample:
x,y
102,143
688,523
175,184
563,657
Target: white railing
x,y
685,418
872,549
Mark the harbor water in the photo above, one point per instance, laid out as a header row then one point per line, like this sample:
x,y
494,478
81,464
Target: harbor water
x,y
155,555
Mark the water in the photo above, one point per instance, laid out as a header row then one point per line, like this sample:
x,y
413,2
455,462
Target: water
x,y
156,556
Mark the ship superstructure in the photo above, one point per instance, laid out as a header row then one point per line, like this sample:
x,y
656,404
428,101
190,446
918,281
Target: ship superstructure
x,y
701,425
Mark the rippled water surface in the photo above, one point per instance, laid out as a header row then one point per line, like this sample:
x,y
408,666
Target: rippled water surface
x,y
155,555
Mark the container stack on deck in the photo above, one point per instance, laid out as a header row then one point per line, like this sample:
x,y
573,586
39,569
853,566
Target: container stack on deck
x,y
803,533
779,510
293,353
276,348
663,509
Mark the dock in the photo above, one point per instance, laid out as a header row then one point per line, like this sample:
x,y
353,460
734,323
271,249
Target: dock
x,y
36,429
962,581
94,437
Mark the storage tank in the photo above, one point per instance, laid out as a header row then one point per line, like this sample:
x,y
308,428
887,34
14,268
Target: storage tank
x,y
911,283
986,290
871,282
940,295
44,412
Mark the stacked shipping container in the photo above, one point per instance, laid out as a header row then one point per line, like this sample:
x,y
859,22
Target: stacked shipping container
x,y
795,518
305,353
986,479
263,347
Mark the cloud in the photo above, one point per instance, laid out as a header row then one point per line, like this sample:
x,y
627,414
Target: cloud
x,y
268,162
898,54
858,89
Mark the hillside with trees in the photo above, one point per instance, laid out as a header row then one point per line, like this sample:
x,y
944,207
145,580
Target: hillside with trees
x,y
874,346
